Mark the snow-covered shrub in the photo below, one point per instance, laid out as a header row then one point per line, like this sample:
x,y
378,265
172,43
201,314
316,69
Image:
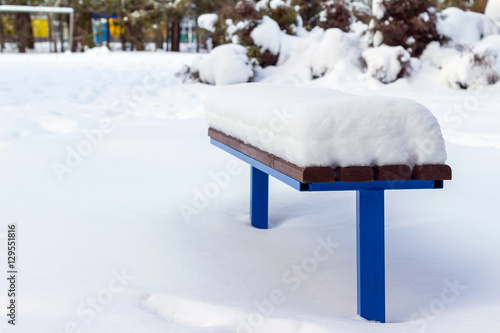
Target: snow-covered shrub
x,y
263,36
208,21
437,55
267,35
283,12
262,39
387,63
340,14
244,10
264,42
205,30
407,23
317,54
251,11
335,46
471,57
237,21
462,27
225,64
361,11
493,10
471,68
336,14
308,11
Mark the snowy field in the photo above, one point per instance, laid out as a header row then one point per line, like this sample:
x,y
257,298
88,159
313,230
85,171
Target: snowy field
x,y
103,154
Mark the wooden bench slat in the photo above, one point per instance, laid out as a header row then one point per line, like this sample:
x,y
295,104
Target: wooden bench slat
x,y
354,174
432,172
392,172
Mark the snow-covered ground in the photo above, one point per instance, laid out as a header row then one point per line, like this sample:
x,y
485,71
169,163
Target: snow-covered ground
x,y
105,162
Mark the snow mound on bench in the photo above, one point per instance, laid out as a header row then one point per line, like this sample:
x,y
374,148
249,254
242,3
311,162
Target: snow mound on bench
x,y
323,127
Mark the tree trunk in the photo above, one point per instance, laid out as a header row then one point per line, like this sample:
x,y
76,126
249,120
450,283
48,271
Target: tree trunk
x,y
167,31
21,28
137,37
108,33
123,39
52,32
83,30
159,37
29,31
61,31
75,33
2,40
176,35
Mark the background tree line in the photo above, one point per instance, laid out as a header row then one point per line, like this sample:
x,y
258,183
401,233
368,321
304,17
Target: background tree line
x,y
163,17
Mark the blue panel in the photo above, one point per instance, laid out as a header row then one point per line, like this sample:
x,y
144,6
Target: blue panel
x,y
259,198
412,184
371,254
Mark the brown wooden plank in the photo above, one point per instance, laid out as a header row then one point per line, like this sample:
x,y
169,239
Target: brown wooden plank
x,y
305,175
432,172
239,145
392,172
319,175
354,174
288,168
225,139
256,153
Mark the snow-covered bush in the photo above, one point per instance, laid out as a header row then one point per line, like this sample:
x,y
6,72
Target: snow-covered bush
x,y
237,21
265,42
225,64
361,11
283,12
262,39
386,50
471,57
336,14
462,27
341,14
387,63
407,23
335,46
318,54
261,30
469,68
244,10
208,21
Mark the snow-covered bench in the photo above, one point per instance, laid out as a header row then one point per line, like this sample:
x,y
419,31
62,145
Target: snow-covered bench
x,y
325,140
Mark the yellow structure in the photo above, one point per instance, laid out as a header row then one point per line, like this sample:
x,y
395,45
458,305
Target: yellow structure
x,y
8,26
40,27
115,29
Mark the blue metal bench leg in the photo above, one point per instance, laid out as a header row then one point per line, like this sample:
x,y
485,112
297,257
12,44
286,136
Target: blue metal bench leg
x,y
371,254
259,198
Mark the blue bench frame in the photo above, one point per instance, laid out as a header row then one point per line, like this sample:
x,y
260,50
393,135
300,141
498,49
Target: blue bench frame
x,y
369,222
